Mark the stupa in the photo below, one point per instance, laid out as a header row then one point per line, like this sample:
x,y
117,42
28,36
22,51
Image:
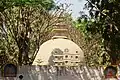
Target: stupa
x,y
59,50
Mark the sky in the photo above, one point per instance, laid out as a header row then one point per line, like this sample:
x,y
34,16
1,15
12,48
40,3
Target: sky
x,y
76,7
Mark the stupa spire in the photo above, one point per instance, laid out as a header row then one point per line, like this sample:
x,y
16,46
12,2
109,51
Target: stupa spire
x,y
60,28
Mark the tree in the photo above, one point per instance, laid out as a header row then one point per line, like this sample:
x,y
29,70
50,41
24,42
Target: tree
x,y
106,14
47,4
26,28
8,46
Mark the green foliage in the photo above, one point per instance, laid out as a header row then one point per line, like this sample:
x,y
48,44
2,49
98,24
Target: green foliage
x,y
47,4
106,14
23,24
95,53
24,27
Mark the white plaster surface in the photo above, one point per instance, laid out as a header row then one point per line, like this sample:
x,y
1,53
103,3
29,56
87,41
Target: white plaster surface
x,y
46,48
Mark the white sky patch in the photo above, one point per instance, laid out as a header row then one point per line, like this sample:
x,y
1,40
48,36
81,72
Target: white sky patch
x,y
76,7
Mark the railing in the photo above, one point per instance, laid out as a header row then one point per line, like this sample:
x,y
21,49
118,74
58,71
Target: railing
x,y
58,73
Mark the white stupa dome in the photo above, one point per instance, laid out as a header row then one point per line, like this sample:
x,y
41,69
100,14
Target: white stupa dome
x,y
47,47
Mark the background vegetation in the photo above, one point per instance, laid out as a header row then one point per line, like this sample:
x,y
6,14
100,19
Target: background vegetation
x,y
26,24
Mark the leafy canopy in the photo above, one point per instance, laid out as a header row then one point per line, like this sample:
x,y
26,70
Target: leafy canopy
x,y
47,4
106,14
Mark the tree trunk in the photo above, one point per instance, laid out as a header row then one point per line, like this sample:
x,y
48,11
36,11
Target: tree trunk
x,y
20,58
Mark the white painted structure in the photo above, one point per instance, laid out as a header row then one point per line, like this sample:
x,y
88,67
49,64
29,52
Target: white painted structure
x,y
62,51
